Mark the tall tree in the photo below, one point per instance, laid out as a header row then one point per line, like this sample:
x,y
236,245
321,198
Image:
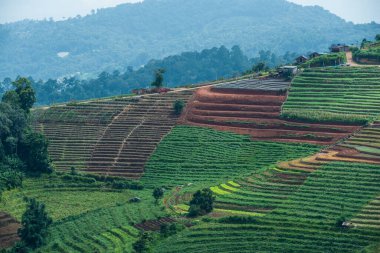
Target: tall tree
x,y
35,222
202,203
25,92
33,151
159,78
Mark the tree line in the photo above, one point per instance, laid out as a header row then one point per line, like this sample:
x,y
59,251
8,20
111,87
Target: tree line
x,y
186,68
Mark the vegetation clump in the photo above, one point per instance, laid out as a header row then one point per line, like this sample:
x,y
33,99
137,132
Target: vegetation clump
x,y
35,222
178,106
202,203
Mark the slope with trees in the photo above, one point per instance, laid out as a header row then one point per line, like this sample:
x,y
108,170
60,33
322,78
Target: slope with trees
x,y
131,34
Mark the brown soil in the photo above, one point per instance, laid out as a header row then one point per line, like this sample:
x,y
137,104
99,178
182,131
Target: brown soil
x,y
256,113
8,230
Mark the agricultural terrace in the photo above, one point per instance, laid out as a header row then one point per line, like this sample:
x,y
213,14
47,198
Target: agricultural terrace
x,y
88,215
8,230
196,155
346,94
363,146
370,54
254,107
112,137
308,220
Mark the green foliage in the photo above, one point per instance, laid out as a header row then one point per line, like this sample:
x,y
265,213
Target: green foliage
x,y
377,37
238,220
10,179
202,203
259,67
158,78
169,229
35,222
34,151
142,245
158,193
182,69
178,106
333,59
25,92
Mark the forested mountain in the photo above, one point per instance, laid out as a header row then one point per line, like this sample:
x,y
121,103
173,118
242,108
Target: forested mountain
x,y
132,34
186,68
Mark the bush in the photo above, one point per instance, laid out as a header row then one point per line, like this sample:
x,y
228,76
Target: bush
x,y
202,203
35,222
178,106
237,220
167,229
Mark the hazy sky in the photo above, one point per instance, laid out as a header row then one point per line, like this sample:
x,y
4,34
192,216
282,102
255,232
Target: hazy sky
x,y
358,11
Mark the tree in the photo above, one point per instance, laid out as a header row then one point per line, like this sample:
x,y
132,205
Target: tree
x,y
377,38
34,225
33,151
158,193
142,245
202,203
159,78
26,93
178,106
259,67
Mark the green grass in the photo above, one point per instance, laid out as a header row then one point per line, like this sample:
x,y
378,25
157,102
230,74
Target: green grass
x,y
304,222
203,156
335,95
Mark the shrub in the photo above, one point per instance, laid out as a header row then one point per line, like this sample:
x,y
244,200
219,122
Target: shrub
x,y
178,106
35,222
202,203
237,220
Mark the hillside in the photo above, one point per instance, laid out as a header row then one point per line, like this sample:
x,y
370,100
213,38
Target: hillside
x,y
132,34
283,182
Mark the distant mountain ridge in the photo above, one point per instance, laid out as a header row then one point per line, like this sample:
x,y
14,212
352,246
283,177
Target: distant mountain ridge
x,y
132,34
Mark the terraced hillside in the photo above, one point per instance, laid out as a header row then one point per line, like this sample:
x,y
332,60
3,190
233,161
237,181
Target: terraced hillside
x,y
8,230
305,221
88,215
113,137
335,94
254,107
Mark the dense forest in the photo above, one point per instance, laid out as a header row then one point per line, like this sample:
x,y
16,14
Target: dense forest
x,y
186,68
132,34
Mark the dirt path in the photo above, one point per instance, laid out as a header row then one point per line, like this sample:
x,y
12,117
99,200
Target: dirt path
x,y
350,60
352,63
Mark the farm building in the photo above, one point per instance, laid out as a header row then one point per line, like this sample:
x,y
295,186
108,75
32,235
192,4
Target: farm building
x,y
316,54
288,70
301,59
339,48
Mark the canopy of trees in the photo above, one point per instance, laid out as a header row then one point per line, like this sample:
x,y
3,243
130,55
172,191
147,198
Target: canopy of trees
x,y
186,68
21,149
202,203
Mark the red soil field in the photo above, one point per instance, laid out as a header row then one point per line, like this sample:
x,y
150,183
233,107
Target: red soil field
x,y
256,113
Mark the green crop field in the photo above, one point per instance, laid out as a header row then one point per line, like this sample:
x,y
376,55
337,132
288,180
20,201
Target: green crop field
x,y
338,95
88,217
303,222
196,155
